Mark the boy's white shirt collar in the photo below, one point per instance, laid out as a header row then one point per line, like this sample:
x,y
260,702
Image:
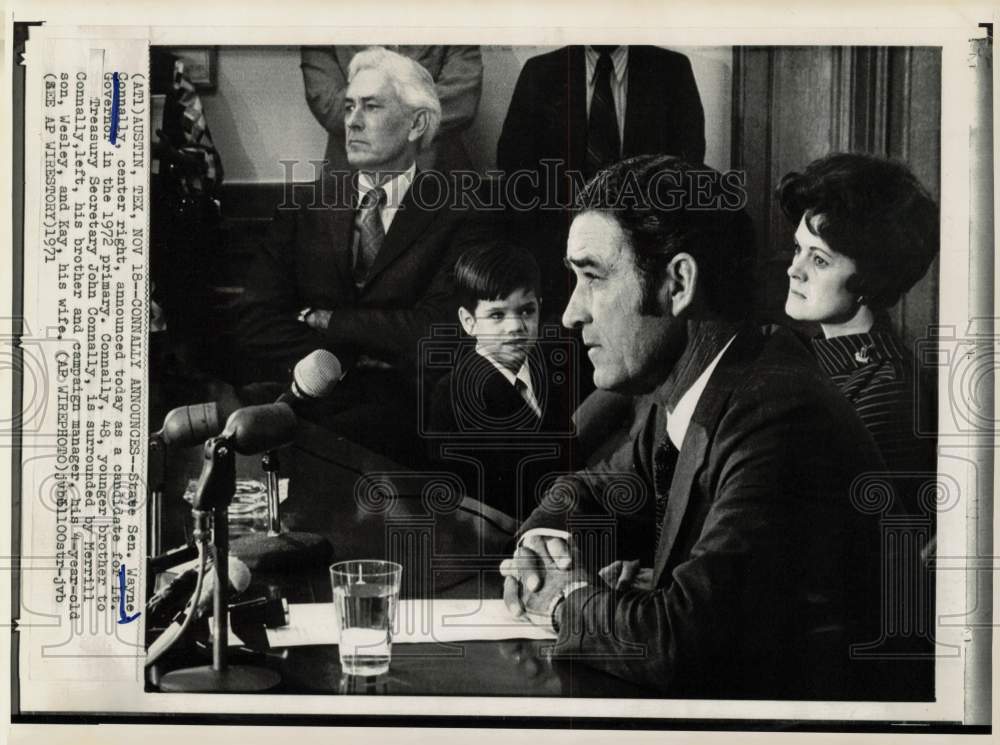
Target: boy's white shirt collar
x,y
523,374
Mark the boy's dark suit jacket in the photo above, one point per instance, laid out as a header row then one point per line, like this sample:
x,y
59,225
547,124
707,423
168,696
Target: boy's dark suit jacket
x,y
767,567
477,414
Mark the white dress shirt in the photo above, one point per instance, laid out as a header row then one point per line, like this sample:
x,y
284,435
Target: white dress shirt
x,y
678,422
619,82
395,190
524,375
679,419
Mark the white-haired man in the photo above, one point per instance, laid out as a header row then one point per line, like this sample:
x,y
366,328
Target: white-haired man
x,y
391,111
361,263
458,78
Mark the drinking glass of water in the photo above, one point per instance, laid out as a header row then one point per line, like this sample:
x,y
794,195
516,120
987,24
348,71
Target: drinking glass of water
x,y
365,595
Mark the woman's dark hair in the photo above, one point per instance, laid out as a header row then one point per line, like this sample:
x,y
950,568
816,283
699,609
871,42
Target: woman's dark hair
x,y
666,206
493,271
872,210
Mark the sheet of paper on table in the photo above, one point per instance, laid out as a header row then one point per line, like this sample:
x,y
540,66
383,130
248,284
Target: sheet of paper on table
x,y
234,640
447,620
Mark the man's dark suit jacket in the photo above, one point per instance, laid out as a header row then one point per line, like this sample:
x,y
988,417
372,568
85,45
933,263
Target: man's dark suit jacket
x,y
547,117
476,413
307,262
547,120
766,570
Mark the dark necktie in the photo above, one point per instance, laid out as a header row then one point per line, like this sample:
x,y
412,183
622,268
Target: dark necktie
x,y
522,389
603,143
664,463
371,234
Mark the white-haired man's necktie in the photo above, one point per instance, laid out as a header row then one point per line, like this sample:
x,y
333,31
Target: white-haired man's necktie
x,y
371,234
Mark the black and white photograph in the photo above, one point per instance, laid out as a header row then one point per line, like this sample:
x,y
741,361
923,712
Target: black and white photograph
x,y
589,384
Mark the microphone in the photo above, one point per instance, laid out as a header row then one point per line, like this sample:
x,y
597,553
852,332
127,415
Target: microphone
x,y
192,425
314,377
182,427
254,429
258,429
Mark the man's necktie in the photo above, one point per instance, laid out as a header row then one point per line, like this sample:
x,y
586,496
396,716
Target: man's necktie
x,y
603,143
371,234
664,463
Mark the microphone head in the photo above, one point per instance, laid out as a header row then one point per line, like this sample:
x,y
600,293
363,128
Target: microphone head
x,y
317,373
191,425
256,429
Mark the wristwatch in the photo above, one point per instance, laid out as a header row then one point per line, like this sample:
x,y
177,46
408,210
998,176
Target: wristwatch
x,y
565,593
304,314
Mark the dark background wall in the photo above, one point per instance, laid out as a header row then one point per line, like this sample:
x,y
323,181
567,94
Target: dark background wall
x,y
794,104
259,116
769,110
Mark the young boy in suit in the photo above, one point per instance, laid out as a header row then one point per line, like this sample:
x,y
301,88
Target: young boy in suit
x,y
504,412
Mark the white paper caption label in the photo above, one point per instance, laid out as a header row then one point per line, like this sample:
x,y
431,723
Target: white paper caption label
x,y
86,319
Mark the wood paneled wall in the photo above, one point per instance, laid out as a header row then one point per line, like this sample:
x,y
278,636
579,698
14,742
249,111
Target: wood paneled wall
x,y
792,105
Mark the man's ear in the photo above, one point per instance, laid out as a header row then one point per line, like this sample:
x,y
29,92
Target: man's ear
x,y
421,121
681,284
467,320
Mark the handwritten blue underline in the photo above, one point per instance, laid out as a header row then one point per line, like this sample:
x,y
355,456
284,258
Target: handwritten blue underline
x,y
115,102
122,616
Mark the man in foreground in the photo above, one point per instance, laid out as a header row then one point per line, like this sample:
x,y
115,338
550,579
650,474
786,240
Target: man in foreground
x,y
740,562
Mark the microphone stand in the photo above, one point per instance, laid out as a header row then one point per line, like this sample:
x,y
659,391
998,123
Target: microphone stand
x,y
156,479
156,475
216,487
279,550
269,464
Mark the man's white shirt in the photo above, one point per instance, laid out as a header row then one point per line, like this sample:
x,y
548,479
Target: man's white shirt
x,y
679,419
678,422
395,190
619,82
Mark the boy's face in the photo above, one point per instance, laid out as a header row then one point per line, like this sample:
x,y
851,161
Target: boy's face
x,y
504,329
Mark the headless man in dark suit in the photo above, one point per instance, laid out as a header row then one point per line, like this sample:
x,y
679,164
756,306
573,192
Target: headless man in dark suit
x,y
581,109
502,417
742,565
361,264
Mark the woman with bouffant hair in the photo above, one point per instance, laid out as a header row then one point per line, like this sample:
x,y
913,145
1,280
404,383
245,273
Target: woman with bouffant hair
x,y
867,231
